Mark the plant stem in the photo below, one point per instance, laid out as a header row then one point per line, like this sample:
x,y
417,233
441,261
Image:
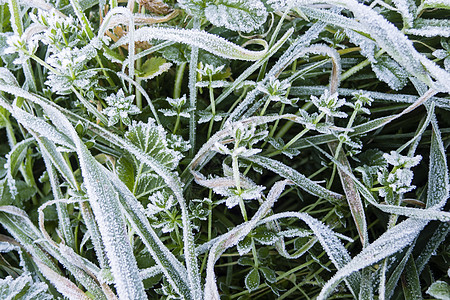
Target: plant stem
x,y
179,80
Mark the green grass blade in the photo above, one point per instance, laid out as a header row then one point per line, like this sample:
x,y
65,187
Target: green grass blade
x,y
209,42
352,196
104,201
392,241
299,179
431,245
174,271
438,178
410,281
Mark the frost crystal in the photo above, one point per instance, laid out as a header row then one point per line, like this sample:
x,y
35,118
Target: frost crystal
x,y
119,108
329,104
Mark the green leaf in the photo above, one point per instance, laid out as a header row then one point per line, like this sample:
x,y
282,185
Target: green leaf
x,y
244,246
174,271
432,4
4,114
2,167
439,290
104,201
265,236
252,280
430,27
16,156
389,71
438,177
392,281
269,274
392,241
237,15
431,245
14,160
125,171
151,139
410,281
153,67
299,179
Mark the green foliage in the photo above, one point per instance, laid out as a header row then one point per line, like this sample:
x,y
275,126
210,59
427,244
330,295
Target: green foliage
x,y
200,149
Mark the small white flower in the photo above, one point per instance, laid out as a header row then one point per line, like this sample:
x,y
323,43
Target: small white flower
x,y
119,108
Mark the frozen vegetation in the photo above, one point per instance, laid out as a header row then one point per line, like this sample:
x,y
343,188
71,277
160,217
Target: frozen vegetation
x,y
228,149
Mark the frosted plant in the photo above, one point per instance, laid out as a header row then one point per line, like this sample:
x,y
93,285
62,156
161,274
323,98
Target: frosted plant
x,y
208,70
68,70
361,99
60,32
120,107
329,104
398,180
177,109
312,121
162,212
24,47
176,142
444,54
276,90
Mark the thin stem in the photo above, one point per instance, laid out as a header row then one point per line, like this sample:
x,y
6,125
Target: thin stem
x,y
193,91
179,80
213,107
298,136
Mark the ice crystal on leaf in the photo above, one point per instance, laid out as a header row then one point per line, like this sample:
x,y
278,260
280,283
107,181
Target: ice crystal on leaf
x,y
177,143
247,134
162,212
329,104
22,288
159,201
361,99
206,116
119,108
444,54
310,122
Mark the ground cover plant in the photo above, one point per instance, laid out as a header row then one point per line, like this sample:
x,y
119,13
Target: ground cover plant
x,y
198,149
